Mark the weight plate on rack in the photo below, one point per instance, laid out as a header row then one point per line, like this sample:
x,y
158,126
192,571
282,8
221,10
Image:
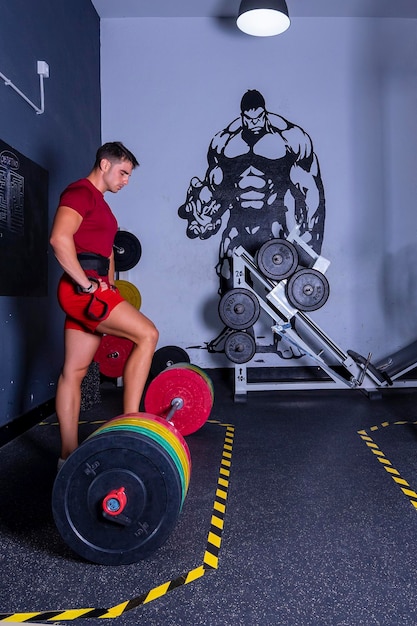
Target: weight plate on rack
x,y
129,292
307,290
127,251
277,259
239,308
112,355
240,347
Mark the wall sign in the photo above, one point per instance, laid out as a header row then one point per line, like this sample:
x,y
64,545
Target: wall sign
x,y
23,225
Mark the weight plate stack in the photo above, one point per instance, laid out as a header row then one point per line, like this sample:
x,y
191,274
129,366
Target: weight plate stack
x,y
188,384
163,433
118,496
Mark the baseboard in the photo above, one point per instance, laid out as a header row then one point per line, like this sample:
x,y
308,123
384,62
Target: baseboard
x,y
21,424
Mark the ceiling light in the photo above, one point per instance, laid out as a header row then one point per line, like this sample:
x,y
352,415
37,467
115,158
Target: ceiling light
x,y
263,18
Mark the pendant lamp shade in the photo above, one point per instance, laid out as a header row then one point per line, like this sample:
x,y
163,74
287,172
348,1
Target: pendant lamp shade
x,y
263,18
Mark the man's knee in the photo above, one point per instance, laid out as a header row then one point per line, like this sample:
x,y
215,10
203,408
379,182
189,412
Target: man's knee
x,y
153,335
74,374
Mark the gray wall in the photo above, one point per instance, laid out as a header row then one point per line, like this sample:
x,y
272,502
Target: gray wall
x,y
349,82
63,140
168,85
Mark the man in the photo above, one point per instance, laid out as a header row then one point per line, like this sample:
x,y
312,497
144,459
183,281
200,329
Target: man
x,y
82,238
262,170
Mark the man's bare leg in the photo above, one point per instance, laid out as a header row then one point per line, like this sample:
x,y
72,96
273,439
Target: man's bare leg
x,y
126,321
80,348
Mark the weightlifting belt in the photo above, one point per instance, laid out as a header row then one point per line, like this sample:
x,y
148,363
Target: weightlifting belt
x,y
96,262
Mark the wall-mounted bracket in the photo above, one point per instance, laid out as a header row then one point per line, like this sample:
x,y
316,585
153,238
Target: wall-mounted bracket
x,y
43,71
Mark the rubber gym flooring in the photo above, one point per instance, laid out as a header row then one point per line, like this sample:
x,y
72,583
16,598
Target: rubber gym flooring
x,y
301,510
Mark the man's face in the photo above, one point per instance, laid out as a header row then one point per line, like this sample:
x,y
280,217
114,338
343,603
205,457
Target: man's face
x,y
117,174
254,119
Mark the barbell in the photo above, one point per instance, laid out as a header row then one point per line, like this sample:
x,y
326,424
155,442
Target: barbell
x,y
118,496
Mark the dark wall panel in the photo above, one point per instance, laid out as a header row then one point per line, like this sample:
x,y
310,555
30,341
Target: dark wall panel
x,y
60,144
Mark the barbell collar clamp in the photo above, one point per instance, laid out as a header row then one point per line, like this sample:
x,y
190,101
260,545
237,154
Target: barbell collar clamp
x,y
176,403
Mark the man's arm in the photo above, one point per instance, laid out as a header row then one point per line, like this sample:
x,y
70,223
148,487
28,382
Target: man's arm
x,y
66,223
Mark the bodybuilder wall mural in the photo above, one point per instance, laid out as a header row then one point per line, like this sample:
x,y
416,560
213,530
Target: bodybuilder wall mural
x,y
263,171
263,177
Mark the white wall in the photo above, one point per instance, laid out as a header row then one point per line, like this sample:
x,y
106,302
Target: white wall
x,y
168,85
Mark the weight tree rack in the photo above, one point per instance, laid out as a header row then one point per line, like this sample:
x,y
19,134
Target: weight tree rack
x,y
338,369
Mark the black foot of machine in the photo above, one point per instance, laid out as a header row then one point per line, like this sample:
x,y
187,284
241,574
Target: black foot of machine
x,y
286,279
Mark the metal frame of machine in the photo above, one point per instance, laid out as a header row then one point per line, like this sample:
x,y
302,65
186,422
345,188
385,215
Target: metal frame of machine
x,y
343,369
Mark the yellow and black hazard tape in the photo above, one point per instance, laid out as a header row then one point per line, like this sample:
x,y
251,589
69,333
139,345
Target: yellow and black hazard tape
x,y
210,560
387,465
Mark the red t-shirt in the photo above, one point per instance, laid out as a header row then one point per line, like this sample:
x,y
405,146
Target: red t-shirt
x,y
99,226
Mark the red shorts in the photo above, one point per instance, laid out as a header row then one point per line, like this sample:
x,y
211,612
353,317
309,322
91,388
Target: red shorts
x,y
81,308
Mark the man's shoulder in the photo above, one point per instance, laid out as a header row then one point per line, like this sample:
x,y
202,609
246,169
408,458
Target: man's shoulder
x,y
82,185
80,196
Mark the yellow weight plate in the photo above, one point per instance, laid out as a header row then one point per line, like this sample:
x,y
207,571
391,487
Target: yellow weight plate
x,y
129,292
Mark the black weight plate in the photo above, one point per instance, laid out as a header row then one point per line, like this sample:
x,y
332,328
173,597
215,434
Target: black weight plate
x,y
239,347
167,356
239,308
127,251
277,259
308,290
101,464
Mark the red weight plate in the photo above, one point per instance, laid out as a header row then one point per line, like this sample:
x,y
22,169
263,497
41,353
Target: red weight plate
x,y
190,386
112,355
202,373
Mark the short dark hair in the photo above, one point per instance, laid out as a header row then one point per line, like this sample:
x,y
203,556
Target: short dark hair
x,y
115,151
252,99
